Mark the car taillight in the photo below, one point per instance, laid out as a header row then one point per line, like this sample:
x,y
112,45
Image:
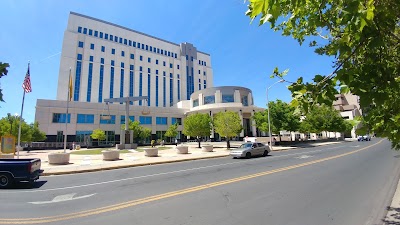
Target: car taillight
x,y
29,167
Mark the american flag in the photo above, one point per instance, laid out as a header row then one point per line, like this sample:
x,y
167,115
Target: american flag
x,y
27,82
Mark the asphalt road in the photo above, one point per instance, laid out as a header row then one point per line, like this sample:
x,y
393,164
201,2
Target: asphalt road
x,y
347,183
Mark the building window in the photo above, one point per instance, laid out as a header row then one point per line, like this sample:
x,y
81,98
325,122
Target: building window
x,y
103,48
112,63
134,44
140,68
125,42
84,30
113,51
227,98
79,29
141,58
145,119
209,99
161,120
89,85
115,39
100,99
162,52
191,58
85,118
177,66
131,118
106,36
147,47
120,40
164,92
131,82
60,118
102,60
101,34
169,53
90,32
148,88
176,121
112,83
78,77
80,44
132,56
170,65
96,33
92,46
148,70
163,63
140,85
130,42
149,60
122,53
111,37
179,89
110,120
121,84
205,64
195,103
156,89
138,45
171,92
204,73
199,71
151,48
245,101
122,65
157,61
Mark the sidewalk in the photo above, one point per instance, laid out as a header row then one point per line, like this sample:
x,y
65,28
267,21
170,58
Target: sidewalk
x,y
90,163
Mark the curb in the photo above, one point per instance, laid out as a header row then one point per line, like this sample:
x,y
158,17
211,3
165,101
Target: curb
x,y
127,166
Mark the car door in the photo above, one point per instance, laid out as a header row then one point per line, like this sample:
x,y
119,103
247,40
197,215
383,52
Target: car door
x,y
260,149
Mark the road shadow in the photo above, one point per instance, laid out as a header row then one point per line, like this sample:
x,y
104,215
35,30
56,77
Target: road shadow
x,y
26,185
395,214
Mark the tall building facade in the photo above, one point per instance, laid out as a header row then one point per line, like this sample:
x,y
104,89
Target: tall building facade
x,y
106,61
110,61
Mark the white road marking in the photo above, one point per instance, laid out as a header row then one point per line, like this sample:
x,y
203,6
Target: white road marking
x,y
62,198
304,157
167,173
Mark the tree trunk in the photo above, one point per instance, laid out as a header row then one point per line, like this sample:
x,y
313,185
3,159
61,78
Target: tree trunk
x,y
290,133
279,134
228,144
198,140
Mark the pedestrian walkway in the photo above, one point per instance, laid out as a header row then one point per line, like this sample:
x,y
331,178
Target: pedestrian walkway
x,y
88,163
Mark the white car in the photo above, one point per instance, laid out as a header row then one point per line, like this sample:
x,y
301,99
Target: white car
x,y
249,149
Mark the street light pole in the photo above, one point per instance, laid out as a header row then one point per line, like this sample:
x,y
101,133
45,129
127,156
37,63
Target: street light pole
x,y
269,123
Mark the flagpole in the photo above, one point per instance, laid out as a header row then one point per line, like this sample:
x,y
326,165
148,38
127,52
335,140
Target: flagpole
x,y
20,120
66,117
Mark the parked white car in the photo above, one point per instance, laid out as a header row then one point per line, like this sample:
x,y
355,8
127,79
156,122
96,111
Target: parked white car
x,y
248,150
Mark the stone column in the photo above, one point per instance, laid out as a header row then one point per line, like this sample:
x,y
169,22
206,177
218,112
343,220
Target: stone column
x,y
241,122
212,129
253,124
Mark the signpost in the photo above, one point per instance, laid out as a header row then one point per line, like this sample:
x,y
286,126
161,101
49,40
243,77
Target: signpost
x,y
7,145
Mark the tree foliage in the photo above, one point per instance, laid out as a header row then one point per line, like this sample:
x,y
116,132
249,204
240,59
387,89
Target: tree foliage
x,y
172,131
29,132
282,117
362,37
99,134
3,72
197,125
139,132
227,124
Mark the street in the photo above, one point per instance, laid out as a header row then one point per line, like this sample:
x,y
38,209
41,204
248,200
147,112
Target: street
x,y
346,183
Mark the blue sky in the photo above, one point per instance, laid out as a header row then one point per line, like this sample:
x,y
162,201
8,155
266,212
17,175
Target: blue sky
x,y
242,54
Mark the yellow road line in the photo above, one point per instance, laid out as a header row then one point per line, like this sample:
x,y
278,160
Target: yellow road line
x,y
131,203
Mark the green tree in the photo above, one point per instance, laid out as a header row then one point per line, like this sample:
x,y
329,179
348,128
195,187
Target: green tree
x,y
228,125
282,117
172,131
99,134
36,133
197,125
3,72
362,38
139,132
9,126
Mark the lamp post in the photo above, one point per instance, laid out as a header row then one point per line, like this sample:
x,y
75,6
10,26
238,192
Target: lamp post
x,y
269,123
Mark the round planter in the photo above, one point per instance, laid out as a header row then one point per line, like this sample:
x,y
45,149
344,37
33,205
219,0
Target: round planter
x,y
110,155
6,156
58,158
151,152
182,149
207,148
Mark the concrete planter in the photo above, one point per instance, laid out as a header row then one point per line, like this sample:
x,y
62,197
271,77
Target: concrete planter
x,y
6,156
207,148
58,158
151,152
110,155
181,149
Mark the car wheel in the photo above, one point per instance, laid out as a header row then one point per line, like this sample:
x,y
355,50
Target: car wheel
x,y
265,153
248,155
6,180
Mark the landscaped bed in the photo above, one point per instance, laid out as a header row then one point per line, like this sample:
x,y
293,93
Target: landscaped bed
x,y
97,151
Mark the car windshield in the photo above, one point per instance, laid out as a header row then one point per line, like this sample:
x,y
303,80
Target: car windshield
x,y
246,145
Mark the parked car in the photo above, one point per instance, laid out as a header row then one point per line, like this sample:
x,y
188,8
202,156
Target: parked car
x,y
364,138
250,149
17,170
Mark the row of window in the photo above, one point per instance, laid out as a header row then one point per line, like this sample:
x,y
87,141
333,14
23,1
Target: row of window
x,y
110,119
225,99
125,41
